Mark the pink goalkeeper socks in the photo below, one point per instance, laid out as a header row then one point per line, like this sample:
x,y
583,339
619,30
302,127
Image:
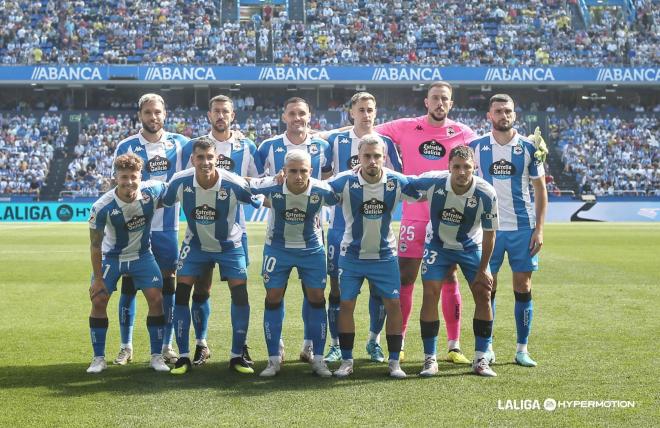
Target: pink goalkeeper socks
x,y
451,309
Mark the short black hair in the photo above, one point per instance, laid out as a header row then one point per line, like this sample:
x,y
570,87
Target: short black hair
x,y
463,152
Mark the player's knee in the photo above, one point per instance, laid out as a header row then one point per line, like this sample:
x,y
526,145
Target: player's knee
x,y
272,303
182,296
168,285
432,292
239,295
100,301
482,295
316,298
127,286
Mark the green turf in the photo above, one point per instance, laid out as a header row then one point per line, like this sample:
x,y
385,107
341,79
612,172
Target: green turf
x,y
593,335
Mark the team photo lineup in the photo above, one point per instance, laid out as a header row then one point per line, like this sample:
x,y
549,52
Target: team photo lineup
x,y
466,202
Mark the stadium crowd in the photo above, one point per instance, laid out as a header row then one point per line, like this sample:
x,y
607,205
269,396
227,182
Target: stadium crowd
x,y
27,145
469,33
609,155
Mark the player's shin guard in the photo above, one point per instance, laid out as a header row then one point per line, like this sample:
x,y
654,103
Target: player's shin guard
x,y
523,312
182,318
376,315
333,316
406,301
483,330
346,342
201,312
318,326
155,326
168,310
451,309
240,318
394,342
98,328
127,308
430,336
273,319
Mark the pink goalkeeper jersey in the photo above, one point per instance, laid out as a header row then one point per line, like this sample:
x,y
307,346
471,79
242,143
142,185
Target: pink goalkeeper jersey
x,y
424,148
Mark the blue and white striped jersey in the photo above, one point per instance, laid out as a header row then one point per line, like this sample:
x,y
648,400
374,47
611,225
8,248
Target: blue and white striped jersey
x,y
345,157
368,212
127,225
295,220
162,160
509,169
457,221
210,213
273,150
241,158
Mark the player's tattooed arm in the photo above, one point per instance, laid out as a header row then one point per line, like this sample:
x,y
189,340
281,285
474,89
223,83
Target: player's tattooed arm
x,y
96,253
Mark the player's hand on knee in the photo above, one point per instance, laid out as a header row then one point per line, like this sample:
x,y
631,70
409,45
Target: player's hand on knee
x,y
97,290
484,279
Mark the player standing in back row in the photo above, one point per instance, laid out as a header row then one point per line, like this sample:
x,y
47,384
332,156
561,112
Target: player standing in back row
x,y
509,161
425,143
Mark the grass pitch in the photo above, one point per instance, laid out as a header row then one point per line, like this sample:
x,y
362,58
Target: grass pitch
x,y
595,326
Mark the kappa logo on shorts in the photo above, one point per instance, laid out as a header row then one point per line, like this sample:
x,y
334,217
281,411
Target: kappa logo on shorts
x,y
472,202
314,198
502,170
158,165
389,186
155,279
225,162
518,150
222,194
395,292
432,150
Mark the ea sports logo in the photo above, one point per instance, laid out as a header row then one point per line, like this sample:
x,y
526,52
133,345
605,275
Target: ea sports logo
x,y
432,150
502,170
64,212
225,163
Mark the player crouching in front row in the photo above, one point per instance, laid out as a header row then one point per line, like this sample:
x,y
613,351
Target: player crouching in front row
x,y
119,223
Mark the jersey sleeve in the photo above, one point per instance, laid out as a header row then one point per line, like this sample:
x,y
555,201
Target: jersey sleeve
x,y
391,129
469,134
242,190
97,218
119,150
256,166
408,191
327,157
261,186
535,167
171,193
262,152
393,157
489,218
329,196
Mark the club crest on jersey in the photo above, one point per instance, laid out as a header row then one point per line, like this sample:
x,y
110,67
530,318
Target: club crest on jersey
x,y
168,144
353,161
314,198
222,194
313,149
472,202
158,165
373,208
204,215
450,131
225,162
136,223
237,145
502,169
389,186
432,150
451,217
294,216
145,198
518,150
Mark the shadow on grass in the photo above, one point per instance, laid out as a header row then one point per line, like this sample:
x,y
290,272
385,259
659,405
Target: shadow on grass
x,y
137,378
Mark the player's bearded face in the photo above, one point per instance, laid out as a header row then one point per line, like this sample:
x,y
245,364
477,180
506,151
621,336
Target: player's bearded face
x,y
461,172
502,116
297,175
296,116
152,116
372,159
128,182
438,103
221,116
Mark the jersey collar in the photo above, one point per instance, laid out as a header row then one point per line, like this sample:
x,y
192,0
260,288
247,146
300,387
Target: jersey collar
x,y
512,143
363,182
288,142
215,187
230,140
307,192
467,194
121,203
144,141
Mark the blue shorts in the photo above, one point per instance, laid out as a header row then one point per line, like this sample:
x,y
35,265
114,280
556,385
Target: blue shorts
x,y
437,261
382,274
516,244
278,263
144,270
334,241
165,246
195,262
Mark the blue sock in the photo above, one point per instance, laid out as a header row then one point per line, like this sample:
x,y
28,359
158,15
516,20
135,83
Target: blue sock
x,y
305,317
201,312
376,313
273,319
523,312
98,329
240,318
333,316
127,309
318,326
483,330
155,326
182,328
168,310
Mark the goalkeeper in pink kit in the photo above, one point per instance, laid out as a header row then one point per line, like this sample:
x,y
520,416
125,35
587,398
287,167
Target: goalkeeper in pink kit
x,y
425,143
